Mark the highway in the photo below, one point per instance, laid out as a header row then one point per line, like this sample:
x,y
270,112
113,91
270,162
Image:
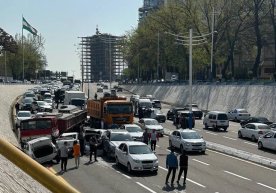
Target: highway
x,y
213,172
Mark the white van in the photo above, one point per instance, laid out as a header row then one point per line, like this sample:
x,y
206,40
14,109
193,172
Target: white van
x,y
41,150
216,120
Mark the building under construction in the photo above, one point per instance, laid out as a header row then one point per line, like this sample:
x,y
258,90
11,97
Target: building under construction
x,y
102,57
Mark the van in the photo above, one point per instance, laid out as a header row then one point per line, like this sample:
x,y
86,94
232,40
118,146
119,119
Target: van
x,y
216,120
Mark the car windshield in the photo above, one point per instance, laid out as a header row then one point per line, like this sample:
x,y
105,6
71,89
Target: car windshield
x,y
151,122
41,103
29,95
242,111
120,137
119,108
133,129
190,135
139,149
48,100
263,127
145,104
23,114
222,117
263,119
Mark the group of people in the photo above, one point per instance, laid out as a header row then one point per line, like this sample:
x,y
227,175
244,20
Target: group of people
x,y
78,151
151,137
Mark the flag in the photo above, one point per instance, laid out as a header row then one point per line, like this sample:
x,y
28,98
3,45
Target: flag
x,y
28,27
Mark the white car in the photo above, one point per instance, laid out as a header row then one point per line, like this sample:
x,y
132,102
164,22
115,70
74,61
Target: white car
x,y
134,130
187,140
69,138
216,120
268,141
41,149
150,125
238,115
22,115
136,156
253,131
49,102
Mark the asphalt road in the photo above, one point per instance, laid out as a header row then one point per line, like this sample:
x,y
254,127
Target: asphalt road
x,y
213,172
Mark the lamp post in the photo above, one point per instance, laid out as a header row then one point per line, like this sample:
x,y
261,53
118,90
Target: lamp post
x,y
212,44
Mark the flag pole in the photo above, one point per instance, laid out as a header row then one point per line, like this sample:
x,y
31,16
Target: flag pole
x,y
22,53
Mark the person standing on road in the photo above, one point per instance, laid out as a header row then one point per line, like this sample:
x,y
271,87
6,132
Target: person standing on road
x,y
93,143
95,96
76,153
153,138
17,107
64,156
183,164
146,137
171,165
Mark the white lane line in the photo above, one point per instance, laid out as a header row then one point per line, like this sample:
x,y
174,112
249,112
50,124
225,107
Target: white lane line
x,y
242,160
266,186
254,144
123,175
187,178
211,133
229,138
147,188
234,131
201,162
237,175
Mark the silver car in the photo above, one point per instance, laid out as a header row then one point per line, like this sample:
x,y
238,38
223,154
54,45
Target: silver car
x,y
187,140
253,131
268,141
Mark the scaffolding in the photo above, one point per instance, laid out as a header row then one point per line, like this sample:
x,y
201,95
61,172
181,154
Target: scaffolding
x,y
102,57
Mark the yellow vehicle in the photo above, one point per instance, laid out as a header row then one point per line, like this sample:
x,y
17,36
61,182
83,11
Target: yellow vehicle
x,y
108,111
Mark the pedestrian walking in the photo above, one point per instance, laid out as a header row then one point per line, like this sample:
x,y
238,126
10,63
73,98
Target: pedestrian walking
x,y
146,137
76,153
81,140
17,107
153,138
64,156
95,96
93,143
171,165
183,164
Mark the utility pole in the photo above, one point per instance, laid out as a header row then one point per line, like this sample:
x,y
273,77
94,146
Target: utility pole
x,y
158,48
212,43
6,66
109,61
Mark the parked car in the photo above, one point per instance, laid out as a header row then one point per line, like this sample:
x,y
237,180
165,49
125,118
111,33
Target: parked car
x,y
99,89
22,115
69,137
41,150
134,98
158,115
105,87
134,130
253,131
216,120
27,103
187,140
196,111
99,133
238,115
41,106
50,102
156,104
112,139
181,117
256,120
136,156
150,125
268,141
173,112
273,126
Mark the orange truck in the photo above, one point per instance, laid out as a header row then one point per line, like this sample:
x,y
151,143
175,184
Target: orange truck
x,y
108,111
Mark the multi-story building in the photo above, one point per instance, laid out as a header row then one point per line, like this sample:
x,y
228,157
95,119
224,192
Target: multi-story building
x,y
101,57
148,6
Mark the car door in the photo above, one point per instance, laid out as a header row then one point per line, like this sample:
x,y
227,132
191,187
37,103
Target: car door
x,y
177,139
245,130
120,152
124,155
267,140
172,138
273,142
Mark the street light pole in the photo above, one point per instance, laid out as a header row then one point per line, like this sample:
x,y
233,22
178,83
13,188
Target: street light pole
x,y
157,69
212,43
6,78
110,61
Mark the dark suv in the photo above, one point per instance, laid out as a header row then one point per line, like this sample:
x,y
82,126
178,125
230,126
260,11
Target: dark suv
x,y
173,112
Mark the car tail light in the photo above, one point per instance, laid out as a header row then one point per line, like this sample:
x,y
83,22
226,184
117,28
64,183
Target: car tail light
x,y
260,132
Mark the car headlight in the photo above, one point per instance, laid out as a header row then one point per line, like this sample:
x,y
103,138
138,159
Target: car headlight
x,y
204,143
155,161
137,161
187,144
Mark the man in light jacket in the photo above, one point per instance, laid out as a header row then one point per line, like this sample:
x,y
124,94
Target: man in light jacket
x,y
171,165
64,156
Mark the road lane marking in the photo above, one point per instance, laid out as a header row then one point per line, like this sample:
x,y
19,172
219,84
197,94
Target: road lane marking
x,y
250,143
123,175
187,178
237,175
211,133
266,186
147,188
234,131
242,160
157,146
229,138
201,162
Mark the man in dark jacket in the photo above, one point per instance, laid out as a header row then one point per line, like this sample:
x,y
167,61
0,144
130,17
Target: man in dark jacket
x,y
183,164
93,143
146,137
172,165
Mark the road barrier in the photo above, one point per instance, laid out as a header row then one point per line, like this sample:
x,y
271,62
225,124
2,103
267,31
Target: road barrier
x,y
34,169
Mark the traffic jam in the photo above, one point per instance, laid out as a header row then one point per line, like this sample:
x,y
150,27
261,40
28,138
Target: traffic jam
x,y
49,115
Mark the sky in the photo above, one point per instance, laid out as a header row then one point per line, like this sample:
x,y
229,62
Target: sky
x,y
61,22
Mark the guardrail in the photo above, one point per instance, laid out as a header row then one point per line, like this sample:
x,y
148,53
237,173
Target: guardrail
x,y
34,169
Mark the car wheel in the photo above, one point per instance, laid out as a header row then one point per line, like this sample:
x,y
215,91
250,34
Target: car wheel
x,y
203,152
181,149
260,145
129,168
117,161
155,172
240,135
253,138
205,126
225,129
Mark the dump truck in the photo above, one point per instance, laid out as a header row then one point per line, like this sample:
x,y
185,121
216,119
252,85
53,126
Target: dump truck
x,y
109,111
